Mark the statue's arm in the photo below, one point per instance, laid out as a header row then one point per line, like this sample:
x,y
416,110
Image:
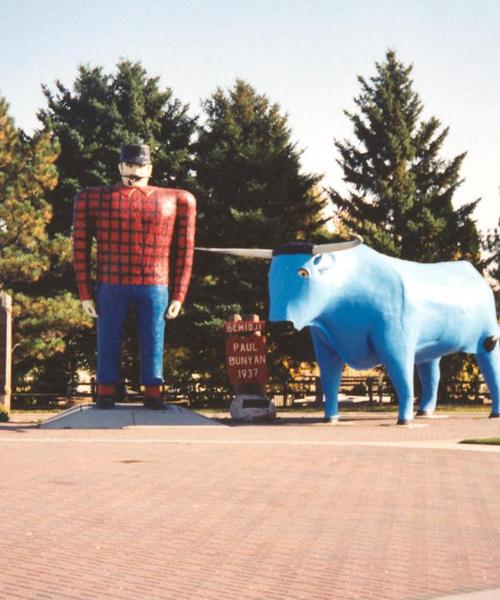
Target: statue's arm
x,y
82,240
186,224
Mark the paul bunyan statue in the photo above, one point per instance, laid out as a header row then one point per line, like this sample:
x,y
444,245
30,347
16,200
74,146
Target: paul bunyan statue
x,y
133,224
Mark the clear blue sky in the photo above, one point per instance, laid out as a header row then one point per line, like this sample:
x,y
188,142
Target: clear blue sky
x,y
304,54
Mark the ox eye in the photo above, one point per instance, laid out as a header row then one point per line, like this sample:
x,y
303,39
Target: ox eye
x,y
303,273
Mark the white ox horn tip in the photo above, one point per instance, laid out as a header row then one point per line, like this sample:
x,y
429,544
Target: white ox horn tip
x,y
338,246
243,252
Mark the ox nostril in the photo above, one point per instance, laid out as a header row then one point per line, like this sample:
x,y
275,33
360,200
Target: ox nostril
x,y
490,343
278,328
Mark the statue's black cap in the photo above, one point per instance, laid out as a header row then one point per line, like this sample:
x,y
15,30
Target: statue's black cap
x,y
137,154
294,248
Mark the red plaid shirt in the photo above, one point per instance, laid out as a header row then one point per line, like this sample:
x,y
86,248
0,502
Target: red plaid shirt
x,y
134,228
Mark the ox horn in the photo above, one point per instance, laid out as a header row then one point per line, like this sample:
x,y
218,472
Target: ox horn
x,y
336,247
245,252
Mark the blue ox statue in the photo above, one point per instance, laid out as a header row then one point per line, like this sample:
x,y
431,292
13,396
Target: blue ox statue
x,y
364,308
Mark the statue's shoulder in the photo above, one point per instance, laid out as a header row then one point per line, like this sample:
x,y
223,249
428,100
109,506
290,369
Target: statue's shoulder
x,y
185,197
96,191
182,197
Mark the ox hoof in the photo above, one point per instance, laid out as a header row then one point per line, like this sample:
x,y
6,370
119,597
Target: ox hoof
x,y
494,415
105,402
425,413
404,421
331,420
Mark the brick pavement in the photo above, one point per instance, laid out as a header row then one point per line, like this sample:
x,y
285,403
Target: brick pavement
x,y
301,509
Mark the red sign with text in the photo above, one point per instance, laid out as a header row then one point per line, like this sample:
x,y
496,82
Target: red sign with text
x,y
246,354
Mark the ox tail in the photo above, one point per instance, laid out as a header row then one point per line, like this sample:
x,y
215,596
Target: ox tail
x,y
490,342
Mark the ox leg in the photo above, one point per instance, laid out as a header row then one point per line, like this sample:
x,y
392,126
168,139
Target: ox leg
x,y
401,374
428,374
489,363
330,367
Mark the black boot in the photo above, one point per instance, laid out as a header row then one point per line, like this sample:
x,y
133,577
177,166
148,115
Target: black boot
x,y
105,402
153,402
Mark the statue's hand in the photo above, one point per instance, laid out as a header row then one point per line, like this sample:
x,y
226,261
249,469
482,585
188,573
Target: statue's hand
x,y
89,308
174,309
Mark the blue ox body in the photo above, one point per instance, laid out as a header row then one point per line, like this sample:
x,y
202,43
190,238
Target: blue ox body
x,y
364,309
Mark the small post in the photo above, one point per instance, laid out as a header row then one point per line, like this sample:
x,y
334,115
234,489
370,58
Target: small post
x,y
320,398
5,351
475,386
369,382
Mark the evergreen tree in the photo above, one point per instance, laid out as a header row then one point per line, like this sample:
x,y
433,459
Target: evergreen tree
x,y
400,190
491,245
91,121
249,173
251,193
102,111
27,174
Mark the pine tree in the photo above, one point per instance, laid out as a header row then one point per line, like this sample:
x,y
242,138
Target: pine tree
x,y
42,320
400,190
249,170
491,246
102,111
252,193
27,171
91,120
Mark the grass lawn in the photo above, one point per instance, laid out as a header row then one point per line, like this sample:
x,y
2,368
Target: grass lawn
x,y
487,441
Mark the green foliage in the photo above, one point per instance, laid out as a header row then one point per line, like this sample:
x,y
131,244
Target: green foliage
x,y
487,441
26,173
42,321
400,190
246,174
91,120
251,193
102,111
491,245
4,415
44,329
249,173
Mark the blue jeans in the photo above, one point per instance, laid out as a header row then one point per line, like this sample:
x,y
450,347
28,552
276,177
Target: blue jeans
x,y
113,305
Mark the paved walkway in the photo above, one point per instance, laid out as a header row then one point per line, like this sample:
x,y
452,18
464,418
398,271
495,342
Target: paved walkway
x,y
301,509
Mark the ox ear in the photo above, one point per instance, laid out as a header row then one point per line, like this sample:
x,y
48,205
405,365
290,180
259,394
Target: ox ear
x,y
323,262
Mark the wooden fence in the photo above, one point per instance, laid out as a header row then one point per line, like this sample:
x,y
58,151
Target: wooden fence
x,y
202,394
